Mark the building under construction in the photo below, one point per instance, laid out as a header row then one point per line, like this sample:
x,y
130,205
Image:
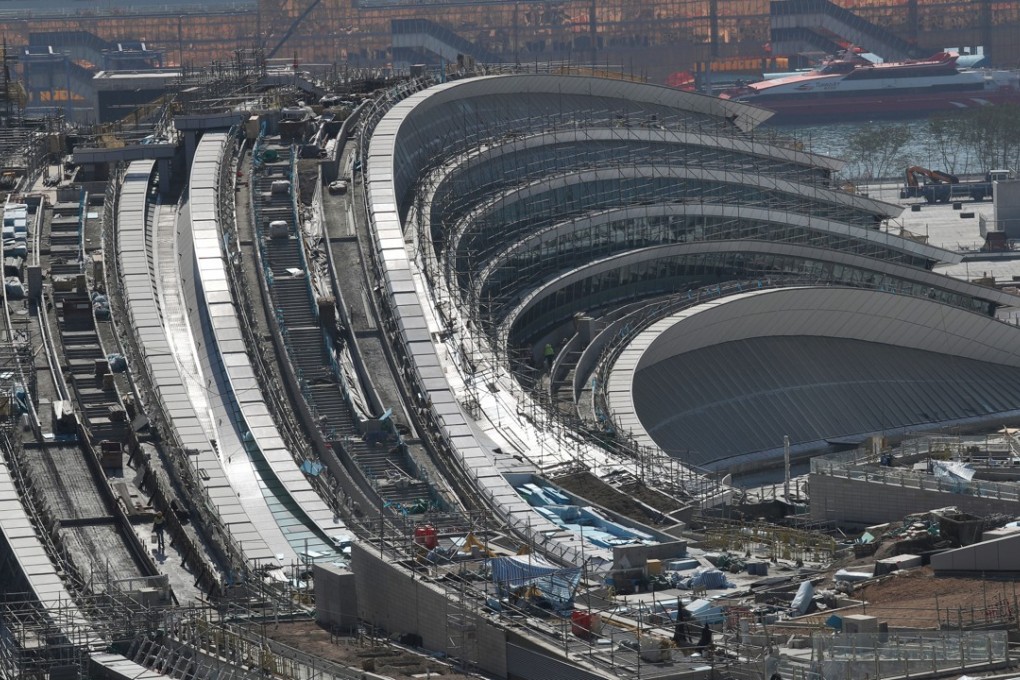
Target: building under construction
x,y
408,361
287,332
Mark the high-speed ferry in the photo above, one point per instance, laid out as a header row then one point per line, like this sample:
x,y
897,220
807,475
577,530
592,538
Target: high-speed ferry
x,y
848,87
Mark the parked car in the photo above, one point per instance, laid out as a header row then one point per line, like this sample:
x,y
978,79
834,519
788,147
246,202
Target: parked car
x,y
338,187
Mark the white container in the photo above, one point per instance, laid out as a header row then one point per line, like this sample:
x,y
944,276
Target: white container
x,y
279,229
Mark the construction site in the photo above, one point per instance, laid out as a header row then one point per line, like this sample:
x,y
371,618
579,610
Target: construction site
x,y
428,360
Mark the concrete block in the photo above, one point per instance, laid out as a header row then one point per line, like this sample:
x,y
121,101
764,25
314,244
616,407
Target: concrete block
x,y
859,623
992,534
336,597
891,564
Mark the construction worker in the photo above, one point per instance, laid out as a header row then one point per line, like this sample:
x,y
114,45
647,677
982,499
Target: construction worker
x,y
705,642
159,527
549,353
682,633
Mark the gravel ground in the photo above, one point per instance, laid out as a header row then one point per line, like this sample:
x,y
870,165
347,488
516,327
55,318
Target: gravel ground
x,y
390,661
588,486
910,598
916,598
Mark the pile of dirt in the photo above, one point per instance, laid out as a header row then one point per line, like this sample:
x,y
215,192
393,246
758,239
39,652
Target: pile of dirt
x,y
359,653
916,598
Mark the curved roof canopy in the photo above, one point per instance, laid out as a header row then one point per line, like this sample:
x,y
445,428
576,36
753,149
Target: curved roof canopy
x,y
484,170
723,382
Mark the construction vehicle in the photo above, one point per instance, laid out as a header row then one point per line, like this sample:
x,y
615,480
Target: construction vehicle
x,y
936,186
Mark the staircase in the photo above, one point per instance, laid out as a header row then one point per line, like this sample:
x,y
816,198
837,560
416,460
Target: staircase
x,y
381,456
828,19
412,36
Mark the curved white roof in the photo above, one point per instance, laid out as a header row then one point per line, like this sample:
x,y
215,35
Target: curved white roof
x,y
591,221
725,380
457,126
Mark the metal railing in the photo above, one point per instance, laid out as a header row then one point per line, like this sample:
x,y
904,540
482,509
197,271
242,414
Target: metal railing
x,y
908,479
861,656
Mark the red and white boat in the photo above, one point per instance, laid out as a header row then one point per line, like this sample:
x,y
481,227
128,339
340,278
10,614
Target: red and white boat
x,y
848,87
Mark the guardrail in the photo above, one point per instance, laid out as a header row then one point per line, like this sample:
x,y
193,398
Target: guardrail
x,y
908,479
902,655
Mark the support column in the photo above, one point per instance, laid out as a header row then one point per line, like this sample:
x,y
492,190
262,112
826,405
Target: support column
x,y
163,168
190,143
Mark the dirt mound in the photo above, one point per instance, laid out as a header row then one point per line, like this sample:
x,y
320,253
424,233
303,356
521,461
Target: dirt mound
x,y
916,597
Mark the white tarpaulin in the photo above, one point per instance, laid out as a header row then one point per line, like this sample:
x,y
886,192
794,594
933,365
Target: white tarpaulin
x,y
802,600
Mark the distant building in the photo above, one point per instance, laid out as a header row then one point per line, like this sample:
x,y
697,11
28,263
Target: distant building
x,y
653,38
89,79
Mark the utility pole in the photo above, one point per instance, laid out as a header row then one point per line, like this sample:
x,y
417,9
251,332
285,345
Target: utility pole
x,y
786,464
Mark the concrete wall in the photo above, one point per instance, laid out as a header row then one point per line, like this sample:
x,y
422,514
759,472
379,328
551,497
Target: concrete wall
x,y
1007,207
850,501
531,664
336,597
398,601
1002,554
637,555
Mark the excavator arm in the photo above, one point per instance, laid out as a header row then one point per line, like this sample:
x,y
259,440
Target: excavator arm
x,y
936,176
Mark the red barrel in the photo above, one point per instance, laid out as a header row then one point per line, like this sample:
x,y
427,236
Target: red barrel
x,y
580,623
426,535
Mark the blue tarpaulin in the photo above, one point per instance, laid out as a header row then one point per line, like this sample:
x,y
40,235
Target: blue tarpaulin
x,y
311,467
704,611
556,584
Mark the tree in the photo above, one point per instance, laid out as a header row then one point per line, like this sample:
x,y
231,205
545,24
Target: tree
x,y
947,132
993,134
875,149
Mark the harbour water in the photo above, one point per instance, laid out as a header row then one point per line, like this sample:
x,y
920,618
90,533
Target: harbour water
x,y
832,139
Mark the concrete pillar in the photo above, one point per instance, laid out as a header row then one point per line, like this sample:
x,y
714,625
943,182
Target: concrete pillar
x,y
163,168
586,329
336,597
190,143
